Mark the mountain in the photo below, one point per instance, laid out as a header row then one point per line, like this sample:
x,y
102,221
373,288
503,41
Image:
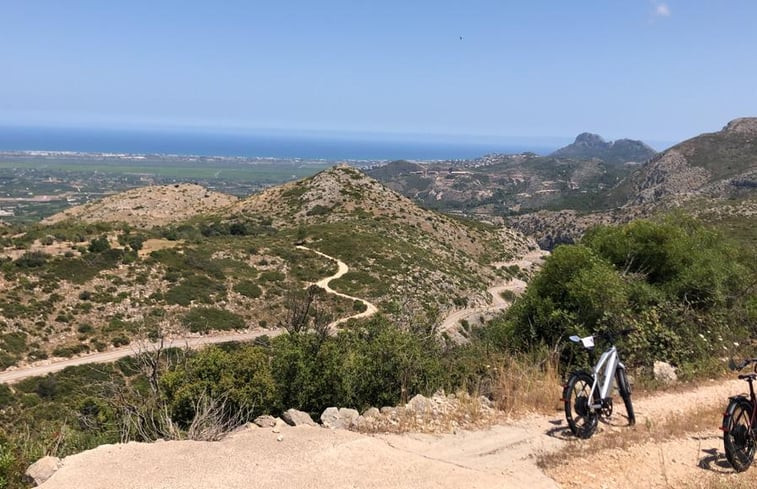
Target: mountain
x,y
622,151
717,165
149,206
497,185
179,258
713,175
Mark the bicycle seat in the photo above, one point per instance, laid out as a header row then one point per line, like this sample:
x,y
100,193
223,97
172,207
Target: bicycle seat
x,y
751,376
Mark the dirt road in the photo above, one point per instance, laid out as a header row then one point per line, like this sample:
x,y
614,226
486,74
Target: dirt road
x,y
370,309
16,374
504,455
451,322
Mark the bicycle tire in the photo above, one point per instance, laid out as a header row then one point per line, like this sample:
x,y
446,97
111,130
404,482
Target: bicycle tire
x,y
738,437
625,392
582,420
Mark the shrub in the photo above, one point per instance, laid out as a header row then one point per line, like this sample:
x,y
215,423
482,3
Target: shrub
x,y
248,288
32,259
242,378
204,319
98,245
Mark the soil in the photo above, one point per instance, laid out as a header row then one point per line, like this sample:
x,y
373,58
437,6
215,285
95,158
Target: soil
x,y
504,455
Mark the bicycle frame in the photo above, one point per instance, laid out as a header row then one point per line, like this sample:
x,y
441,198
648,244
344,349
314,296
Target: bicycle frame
x,y
610,361
603,372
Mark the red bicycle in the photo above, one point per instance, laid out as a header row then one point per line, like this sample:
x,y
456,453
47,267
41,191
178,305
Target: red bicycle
x,y
740,423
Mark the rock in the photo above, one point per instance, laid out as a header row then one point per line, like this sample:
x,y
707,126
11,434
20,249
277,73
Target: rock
x,y
419,404
280,438
486,402
342,419
265,421
294,417
371,413
664,372
42,469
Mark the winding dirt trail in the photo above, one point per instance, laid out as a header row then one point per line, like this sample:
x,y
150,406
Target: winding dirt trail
x,y
13,375
451,323
370,309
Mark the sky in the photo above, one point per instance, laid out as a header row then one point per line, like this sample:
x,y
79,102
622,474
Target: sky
x,y
644,69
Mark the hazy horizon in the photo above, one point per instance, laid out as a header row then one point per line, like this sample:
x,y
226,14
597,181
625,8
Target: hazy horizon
x,y
648,69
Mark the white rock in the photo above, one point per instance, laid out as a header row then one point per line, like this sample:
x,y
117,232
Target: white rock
x,y
42,469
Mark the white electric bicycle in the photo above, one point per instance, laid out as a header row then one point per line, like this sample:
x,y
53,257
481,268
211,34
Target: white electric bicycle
x,y
588,395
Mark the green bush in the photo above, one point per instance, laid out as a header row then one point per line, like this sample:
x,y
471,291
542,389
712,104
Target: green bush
x,y
248,288
198,288
204,319
241,378
374,365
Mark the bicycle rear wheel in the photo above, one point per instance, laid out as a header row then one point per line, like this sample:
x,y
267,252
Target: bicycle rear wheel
x,y
582,419
738,438
625,392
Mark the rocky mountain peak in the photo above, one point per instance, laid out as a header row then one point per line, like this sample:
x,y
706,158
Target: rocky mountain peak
x,y
590,139
742,125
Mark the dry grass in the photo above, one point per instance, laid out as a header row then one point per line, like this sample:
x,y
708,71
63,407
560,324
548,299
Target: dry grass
x,y
528,383
648,431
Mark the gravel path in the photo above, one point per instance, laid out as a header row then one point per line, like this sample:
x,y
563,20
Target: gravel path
x,y
13,375
370,309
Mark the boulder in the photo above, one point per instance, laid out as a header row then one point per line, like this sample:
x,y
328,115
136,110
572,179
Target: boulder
x,y
339,418
294,417
371,413
42,469
420,404
265,421
664,372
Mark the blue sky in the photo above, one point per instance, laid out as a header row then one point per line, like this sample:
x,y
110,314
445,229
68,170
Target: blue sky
x,y
659,71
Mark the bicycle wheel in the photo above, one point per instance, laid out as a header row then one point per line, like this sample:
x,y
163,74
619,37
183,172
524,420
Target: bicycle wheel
x,y
738,437
582,419
625,392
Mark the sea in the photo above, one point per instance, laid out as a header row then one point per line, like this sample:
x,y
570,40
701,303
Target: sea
x,y
273,144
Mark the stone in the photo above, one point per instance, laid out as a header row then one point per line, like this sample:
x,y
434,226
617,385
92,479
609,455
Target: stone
x,y
419,404
664,372
329,417
294,417
265,421
339,418
371,413
42,469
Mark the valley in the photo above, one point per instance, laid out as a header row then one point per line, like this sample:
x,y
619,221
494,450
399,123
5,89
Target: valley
x,y
140,312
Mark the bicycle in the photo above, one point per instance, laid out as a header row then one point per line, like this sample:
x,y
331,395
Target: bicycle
x,y
587,395
740,423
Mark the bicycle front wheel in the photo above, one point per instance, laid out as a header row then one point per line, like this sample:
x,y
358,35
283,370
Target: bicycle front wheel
x,y
582,419
738,438
625,392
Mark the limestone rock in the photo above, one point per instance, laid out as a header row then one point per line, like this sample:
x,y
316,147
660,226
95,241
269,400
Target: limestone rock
x,y
664,372
339,418
42,469
294,417
265,421
420,404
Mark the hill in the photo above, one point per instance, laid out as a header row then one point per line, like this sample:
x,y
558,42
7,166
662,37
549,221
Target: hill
x,y
504,184
160,260
622,151
713,175
149,206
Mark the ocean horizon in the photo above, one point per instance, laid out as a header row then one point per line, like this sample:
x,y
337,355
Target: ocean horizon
x,y
254,144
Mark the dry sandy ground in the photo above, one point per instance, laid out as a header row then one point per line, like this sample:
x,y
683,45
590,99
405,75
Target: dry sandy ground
x,y
502,456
